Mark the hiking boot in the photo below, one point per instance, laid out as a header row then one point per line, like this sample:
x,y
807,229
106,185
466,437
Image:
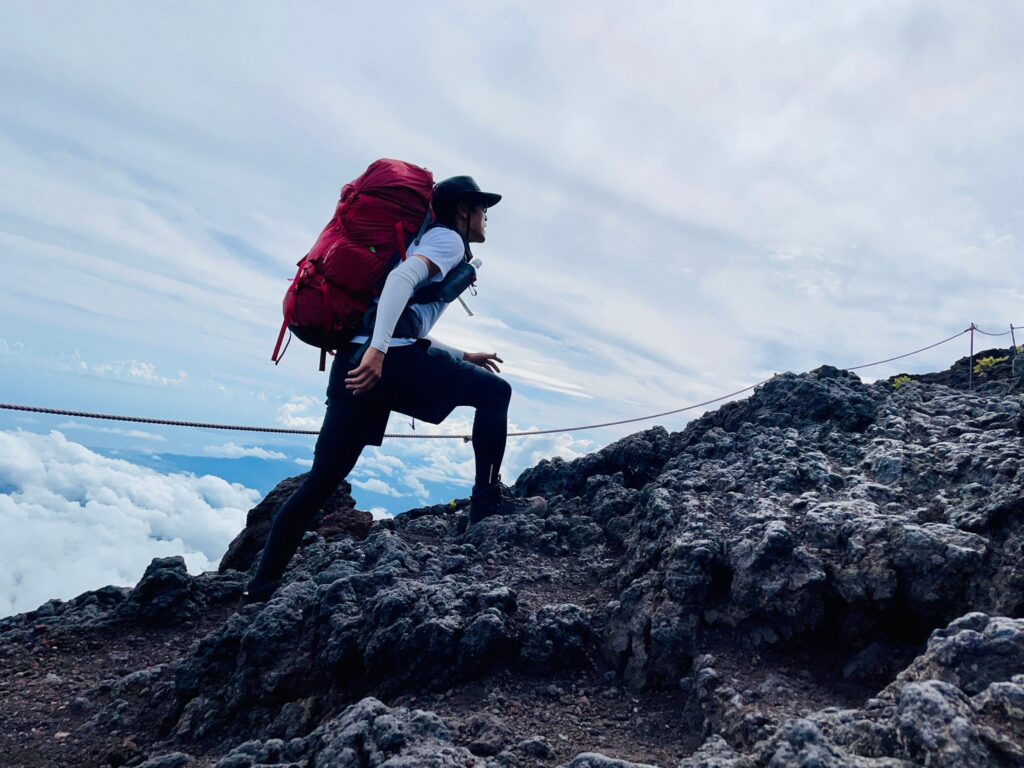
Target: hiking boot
x,y
258,593
498,499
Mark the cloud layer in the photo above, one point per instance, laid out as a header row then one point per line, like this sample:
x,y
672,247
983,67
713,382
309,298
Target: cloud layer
x,y
74,520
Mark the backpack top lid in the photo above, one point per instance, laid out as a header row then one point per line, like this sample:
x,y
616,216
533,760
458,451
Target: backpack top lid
x,y
389,192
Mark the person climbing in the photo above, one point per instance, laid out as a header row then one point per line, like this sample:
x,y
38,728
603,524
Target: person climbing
x,y
416,376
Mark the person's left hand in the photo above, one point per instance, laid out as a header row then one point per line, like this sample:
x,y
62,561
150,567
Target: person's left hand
x,y
484,360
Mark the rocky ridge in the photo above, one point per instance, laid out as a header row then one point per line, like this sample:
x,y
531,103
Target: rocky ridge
x,y
828,573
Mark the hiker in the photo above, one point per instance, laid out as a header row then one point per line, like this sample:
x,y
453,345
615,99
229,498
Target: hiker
x,y
379,373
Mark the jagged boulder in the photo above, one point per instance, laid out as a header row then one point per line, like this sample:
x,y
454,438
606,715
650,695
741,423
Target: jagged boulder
x,y
825,395
972,653
556,636
597,760
91,609
337,517
384,625
638,458
777,585
170,760
955,705
367,734
165,594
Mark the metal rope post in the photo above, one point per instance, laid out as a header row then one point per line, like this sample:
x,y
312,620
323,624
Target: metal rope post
x,y
1016,358
970,366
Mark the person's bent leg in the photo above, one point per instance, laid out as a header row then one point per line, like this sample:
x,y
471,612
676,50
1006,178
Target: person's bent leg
x,y
490,395
293,517
428,384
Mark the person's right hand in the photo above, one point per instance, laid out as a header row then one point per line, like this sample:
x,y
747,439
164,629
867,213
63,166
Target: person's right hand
x,y
365,376
484,360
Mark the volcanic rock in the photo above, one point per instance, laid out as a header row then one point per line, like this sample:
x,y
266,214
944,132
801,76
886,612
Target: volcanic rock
x,y
338,516
828,573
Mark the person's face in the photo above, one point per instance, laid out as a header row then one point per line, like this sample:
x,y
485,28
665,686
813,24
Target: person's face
x,y
478,224
476,216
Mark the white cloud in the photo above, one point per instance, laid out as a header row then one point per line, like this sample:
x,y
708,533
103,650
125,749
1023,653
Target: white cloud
x,y
302,412
375,460
67,361
376,485
74,520
141,372
233,451
414,484
304,462
379,513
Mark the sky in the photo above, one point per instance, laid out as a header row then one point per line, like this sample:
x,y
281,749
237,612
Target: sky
x,y
696,196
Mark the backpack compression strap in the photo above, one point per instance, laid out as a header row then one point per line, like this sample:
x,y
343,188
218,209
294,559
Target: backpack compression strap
x,y
289,310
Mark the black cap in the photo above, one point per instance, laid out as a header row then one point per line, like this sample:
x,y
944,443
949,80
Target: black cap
x,y
451,191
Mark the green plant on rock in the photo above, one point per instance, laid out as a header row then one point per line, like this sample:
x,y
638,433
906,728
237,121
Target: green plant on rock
x,y
899,381
985,364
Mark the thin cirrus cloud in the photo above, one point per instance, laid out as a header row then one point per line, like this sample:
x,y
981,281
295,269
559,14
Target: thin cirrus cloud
x,y
133,370
135,434
72,361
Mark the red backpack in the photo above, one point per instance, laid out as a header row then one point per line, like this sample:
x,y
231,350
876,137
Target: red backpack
x,y
345,269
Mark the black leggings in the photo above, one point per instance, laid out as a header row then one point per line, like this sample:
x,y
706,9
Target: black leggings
x,y
342,440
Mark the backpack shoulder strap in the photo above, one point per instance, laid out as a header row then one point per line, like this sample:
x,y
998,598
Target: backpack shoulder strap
x,y
428,223
467,256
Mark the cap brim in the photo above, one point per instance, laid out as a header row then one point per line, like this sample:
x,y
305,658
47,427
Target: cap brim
x,y
490,199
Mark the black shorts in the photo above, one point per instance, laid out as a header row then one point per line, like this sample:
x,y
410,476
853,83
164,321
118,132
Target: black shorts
x,y
418,380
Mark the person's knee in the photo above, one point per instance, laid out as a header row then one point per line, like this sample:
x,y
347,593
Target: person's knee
x,y
483,389
501,391
330,468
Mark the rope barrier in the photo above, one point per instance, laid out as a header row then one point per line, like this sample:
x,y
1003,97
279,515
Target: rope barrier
x,y
908,354
465,438
638,418
164,422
